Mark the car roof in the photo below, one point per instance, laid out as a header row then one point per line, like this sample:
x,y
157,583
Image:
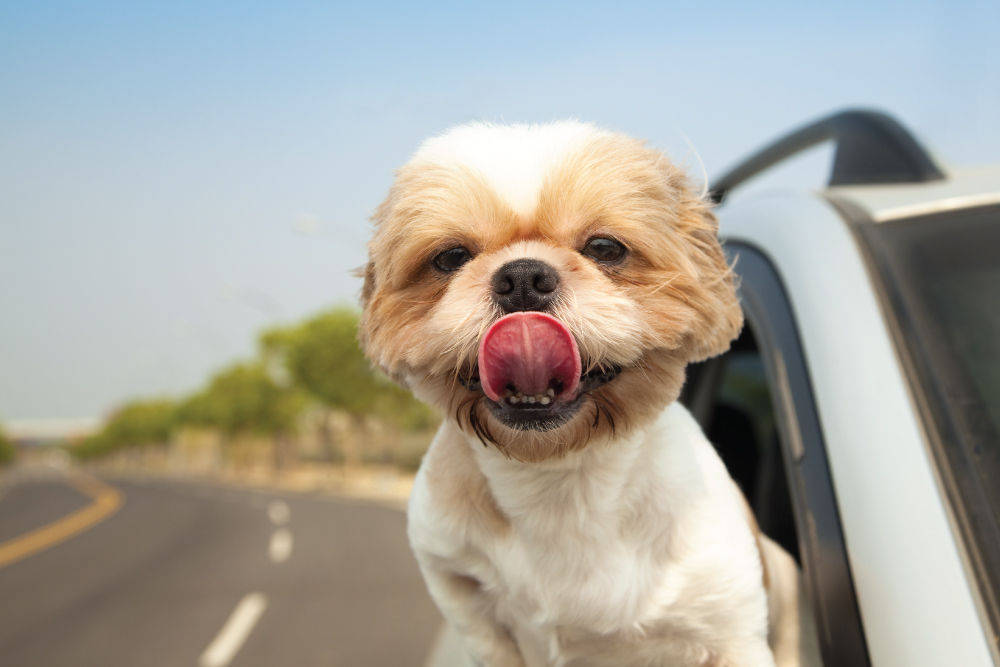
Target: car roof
x,y
879,167
962,187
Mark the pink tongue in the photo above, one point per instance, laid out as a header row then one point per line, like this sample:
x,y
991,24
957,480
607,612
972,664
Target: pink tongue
x,y
529,352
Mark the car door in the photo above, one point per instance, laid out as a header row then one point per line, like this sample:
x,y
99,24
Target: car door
x,y
757,406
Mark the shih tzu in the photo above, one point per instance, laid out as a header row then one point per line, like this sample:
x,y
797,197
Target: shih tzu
x,y
545,287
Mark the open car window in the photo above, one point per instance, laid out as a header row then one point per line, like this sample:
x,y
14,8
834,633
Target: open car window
x,y
756,404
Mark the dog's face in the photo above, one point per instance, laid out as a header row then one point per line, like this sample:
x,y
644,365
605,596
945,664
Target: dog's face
x,y
545,286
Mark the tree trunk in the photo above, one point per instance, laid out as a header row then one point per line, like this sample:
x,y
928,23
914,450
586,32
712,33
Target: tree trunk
x,y
326,437
354,448
283,450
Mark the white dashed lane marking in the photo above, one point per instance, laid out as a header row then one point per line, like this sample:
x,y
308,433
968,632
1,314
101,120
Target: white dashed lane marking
x,y
236,630
281,545
279,512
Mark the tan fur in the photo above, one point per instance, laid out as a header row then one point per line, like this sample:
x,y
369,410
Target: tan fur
x,y
611,186
617,186
458,484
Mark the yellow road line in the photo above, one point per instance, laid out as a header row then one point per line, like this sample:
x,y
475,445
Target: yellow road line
x,y
106,501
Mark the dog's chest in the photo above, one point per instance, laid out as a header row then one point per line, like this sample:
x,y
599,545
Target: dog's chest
x,y
572,554
601,557
568,598
590,579
579,567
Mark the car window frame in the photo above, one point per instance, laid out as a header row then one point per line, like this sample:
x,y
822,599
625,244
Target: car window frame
x,y
826,569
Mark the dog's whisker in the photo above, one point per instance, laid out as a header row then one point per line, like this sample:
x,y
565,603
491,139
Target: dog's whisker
x,y
645,371
460,324
701,163
668,283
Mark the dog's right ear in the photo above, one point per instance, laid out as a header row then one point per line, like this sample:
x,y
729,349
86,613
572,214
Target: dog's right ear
x,y
368,273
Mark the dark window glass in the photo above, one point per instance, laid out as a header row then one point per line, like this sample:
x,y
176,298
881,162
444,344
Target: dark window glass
x,y
740,423
940,279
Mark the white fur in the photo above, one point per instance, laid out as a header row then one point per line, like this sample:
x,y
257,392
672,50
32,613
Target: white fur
x,y
635,552
513,159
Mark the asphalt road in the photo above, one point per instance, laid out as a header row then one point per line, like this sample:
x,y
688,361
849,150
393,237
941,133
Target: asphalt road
x,y
179,573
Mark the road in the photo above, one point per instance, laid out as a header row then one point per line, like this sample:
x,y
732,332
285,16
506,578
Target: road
x,y
151,571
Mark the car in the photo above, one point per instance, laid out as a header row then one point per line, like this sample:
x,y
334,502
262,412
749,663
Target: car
x,y
859,410
860,407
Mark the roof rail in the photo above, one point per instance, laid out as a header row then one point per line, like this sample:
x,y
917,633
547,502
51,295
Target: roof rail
x,y
871,148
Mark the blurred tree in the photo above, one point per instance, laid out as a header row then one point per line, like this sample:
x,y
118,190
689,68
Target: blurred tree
x,y
398,407
7,452
322,355
138,423
245,399
318,360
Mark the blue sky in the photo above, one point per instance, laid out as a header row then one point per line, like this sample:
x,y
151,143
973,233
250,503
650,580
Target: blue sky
x,y
178,176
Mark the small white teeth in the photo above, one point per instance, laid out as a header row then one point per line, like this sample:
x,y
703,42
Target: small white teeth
x,y
516,397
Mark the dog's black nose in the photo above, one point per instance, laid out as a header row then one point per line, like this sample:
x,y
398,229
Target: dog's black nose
x,y
525,284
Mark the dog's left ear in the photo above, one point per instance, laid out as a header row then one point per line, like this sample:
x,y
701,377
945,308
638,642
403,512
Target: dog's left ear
x,y
721,317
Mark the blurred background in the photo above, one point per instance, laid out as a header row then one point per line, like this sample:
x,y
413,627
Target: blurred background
x,y
191,443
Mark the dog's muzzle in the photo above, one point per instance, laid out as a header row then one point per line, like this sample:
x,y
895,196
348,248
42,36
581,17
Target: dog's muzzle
x,y
529,370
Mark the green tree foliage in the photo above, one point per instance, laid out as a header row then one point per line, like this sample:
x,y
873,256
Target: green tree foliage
x,y
243,399
134,424
322,355
318,360
7,452
397,406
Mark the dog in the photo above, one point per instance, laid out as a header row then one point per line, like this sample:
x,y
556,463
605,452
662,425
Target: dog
x,y
545,286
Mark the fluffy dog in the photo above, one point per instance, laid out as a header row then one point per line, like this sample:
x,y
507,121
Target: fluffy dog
x,y
545,287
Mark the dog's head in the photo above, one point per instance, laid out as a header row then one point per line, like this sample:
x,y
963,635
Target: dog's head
x,y
544,285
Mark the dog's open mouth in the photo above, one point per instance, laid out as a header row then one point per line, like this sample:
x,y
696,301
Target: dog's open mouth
x,y
529,368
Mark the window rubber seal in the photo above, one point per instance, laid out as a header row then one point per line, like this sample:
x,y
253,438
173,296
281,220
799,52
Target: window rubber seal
x,y
826,569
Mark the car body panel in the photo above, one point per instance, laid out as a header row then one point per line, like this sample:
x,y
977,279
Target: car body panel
x,y
912,583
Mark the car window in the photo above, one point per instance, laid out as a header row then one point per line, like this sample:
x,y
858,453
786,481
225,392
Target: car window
x,y
739,420
756,404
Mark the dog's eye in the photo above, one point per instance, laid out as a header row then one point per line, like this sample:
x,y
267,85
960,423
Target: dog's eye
x,y
452,259
604,250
